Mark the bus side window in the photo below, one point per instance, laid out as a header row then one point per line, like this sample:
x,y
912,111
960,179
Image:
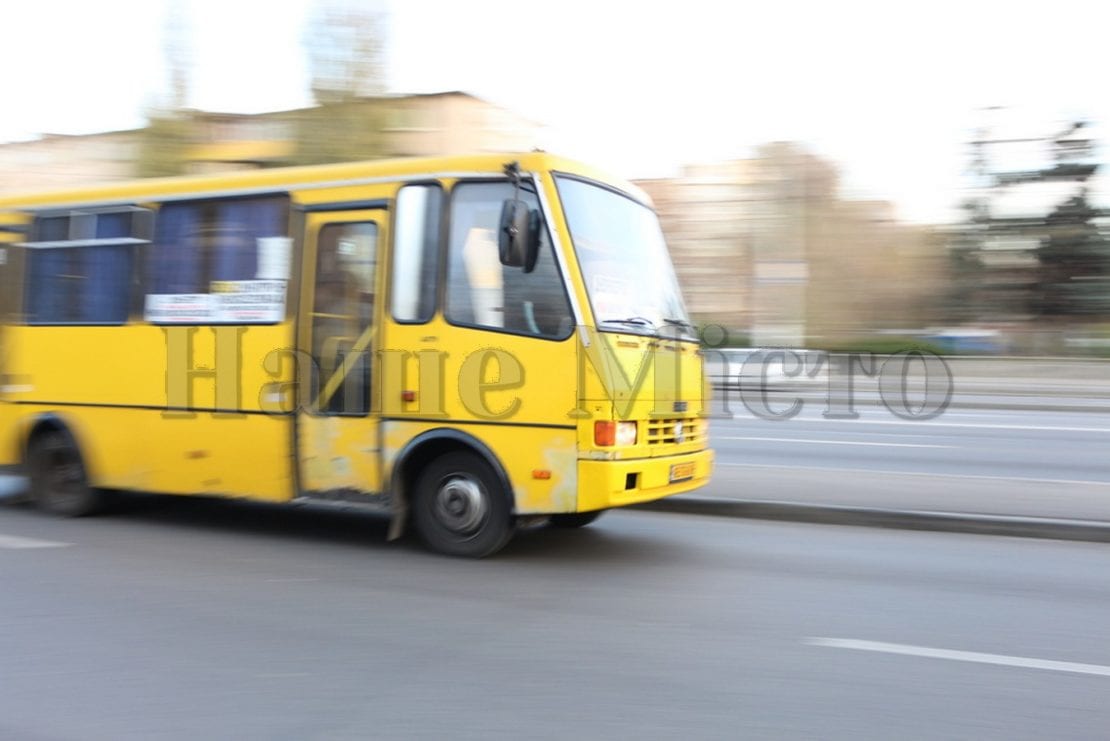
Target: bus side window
x,y
218,246
80,267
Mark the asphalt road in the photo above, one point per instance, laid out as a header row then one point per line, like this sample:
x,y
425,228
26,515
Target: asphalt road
x,y
186,619
1038,463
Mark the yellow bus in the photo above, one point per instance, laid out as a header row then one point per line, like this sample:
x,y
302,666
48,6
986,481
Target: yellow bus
x,y
470,344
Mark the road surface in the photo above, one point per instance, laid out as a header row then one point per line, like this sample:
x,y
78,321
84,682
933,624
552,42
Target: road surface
x,y
185,619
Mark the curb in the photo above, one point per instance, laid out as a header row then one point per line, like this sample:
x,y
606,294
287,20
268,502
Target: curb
x,y
828,514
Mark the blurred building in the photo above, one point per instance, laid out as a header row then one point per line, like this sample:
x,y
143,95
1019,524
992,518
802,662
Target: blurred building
x,y
59,161
766,246
406,125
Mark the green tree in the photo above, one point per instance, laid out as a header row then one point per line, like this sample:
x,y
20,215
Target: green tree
x,y
1074,278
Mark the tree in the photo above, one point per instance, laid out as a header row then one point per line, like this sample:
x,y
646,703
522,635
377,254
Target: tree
x,y
1008,267
165,141
1074,259
164,144
345,44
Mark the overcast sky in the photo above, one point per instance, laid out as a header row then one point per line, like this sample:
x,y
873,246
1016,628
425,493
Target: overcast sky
x,y
889,91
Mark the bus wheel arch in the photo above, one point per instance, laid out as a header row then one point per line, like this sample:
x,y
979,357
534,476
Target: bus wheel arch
x,y
57,469
458,472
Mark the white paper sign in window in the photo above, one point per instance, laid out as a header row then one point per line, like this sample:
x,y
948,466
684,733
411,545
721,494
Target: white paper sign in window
x,y
178,308
274,258
230,302
248,301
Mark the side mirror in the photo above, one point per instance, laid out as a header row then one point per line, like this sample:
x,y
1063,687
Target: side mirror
x,y
518,238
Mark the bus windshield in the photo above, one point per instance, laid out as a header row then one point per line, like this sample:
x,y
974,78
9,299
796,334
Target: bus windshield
x,y
624,261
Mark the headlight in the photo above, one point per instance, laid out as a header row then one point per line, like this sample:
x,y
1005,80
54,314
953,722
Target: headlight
x,y
608,433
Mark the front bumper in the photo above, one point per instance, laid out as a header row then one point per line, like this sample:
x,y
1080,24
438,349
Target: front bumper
x,y
605,484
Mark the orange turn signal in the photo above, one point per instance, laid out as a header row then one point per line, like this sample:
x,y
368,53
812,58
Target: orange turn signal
x,y
605,433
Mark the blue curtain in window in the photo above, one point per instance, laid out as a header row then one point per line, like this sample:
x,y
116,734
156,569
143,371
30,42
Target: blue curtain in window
x,y
113,226
52,229
106,288
46,290
241,224
176,258
107,284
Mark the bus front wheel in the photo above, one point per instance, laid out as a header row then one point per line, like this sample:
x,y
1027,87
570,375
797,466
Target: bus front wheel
x,y
59,484
460,507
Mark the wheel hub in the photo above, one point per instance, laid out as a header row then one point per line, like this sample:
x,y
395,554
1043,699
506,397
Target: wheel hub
x,y
460,505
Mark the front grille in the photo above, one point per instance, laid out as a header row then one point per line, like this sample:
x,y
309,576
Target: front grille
x,y
667,431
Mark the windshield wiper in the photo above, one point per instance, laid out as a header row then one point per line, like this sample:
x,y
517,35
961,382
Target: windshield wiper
x,y
680,323
635,321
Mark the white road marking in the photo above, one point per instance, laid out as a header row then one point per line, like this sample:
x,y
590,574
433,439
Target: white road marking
x,y
974,657
831,442
15,542
983,477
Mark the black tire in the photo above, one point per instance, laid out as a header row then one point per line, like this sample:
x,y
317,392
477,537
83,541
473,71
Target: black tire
x,y
460,507
59,484
575,519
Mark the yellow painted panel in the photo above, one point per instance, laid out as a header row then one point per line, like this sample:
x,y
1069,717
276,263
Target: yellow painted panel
x,y
338,453
10,450
141,449
128,365
239,456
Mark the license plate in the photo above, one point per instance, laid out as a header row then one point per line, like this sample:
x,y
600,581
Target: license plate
x,y
682,472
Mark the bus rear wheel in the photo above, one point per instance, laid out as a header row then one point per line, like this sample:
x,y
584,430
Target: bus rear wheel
x,y
59,484
575,519
460,507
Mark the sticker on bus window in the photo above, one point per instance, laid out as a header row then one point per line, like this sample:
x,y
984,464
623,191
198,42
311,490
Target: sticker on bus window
x,y
178,308
3,256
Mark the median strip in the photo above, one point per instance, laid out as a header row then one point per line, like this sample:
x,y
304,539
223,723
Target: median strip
x,y
827,514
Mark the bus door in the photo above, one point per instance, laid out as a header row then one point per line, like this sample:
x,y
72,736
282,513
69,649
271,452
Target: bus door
x,y
337,431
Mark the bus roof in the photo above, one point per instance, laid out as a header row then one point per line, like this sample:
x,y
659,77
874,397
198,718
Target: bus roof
x,y
293,179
